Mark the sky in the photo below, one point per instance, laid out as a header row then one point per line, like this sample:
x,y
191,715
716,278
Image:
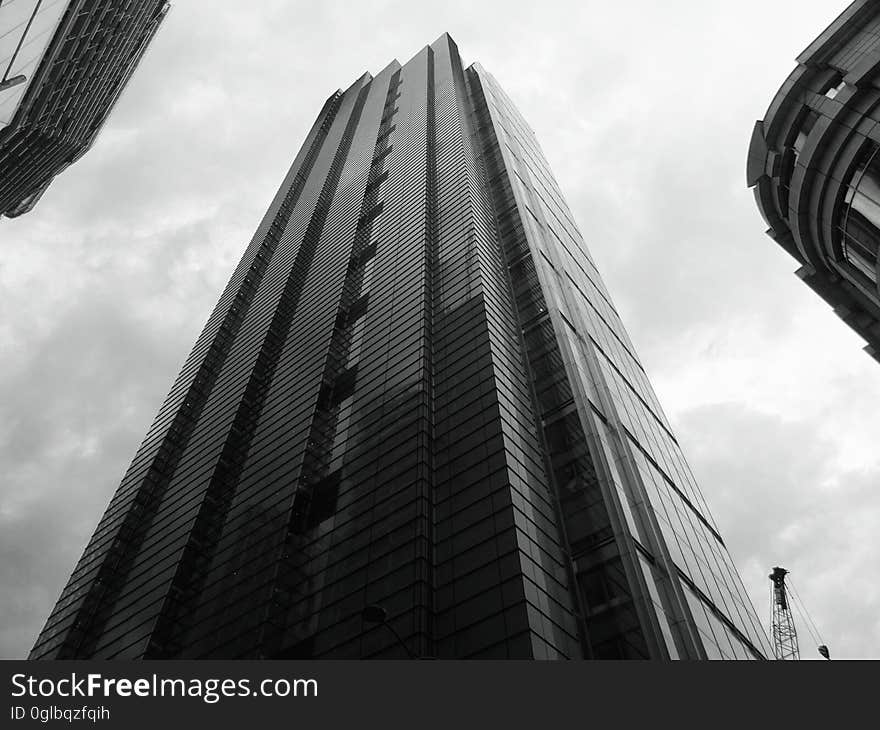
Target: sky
x,y
644,110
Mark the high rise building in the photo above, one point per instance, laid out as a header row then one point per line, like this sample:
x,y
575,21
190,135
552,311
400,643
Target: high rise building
x,y
813,163
63,65
414,401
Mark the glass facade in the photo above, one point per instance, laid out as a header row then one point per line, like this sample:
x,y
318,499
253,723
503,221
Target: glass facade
x,y
414,393
63,64
860,230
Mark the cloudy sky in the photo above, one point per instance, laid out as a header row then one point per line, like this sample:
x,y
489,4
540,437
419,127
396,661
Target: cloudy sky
x,y
644,110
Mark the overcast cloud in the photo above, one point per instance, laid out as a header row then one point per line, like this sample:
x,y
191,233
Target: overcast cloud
x,y
644,110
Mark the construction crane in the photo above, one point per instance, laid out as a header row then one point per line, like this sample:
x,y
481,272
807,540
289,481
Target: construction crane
x,y
785,640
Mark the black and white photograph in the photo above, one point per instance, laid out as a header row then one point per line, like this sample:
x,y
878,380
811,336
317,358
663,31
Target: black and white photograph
x,y
466,330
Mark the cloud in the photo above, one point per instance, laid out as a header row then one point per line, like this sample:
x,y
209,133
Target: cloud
x,y
780,499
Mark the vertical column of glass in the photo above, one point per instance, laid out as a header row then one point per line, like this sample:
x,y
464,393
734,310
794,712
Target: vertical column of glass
x,y
212,461
241,586
304,616
87,601
624,424
381,545
497,569
584,523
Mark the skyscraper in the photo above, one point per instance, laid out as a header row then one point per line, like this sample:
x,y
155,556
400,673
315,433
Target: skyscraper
x,y
63,65
414,400
814,165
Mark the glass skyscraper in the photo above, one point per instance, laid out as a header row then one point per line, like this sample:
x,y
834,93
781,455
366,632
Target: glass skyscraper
x,y
63,65
414,397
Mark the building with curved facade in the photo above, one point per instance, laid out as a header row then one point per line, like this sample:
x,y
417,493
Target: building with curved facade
x,y
814,164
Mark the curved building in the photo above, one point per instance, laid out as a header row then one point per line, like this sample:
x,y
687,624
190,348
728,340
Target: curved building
x,y
815,167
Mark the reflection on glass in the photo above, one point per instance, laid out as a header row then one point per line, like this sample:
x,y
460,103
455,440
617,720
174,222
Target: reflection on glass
x,y
861,220
616,386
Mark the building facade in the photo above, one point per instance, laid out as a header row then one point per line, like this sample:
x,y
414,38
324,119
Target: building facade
x,y
813,163
63,65
414,397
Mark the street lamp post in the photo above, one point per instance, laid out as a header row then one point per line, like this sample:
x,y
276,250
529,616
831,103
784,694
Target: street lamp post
x,y
375,614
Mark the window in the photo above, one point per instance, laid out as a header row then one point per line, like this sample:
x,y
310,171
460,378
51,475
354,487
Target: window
x,y
804,128
834,87
860,229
